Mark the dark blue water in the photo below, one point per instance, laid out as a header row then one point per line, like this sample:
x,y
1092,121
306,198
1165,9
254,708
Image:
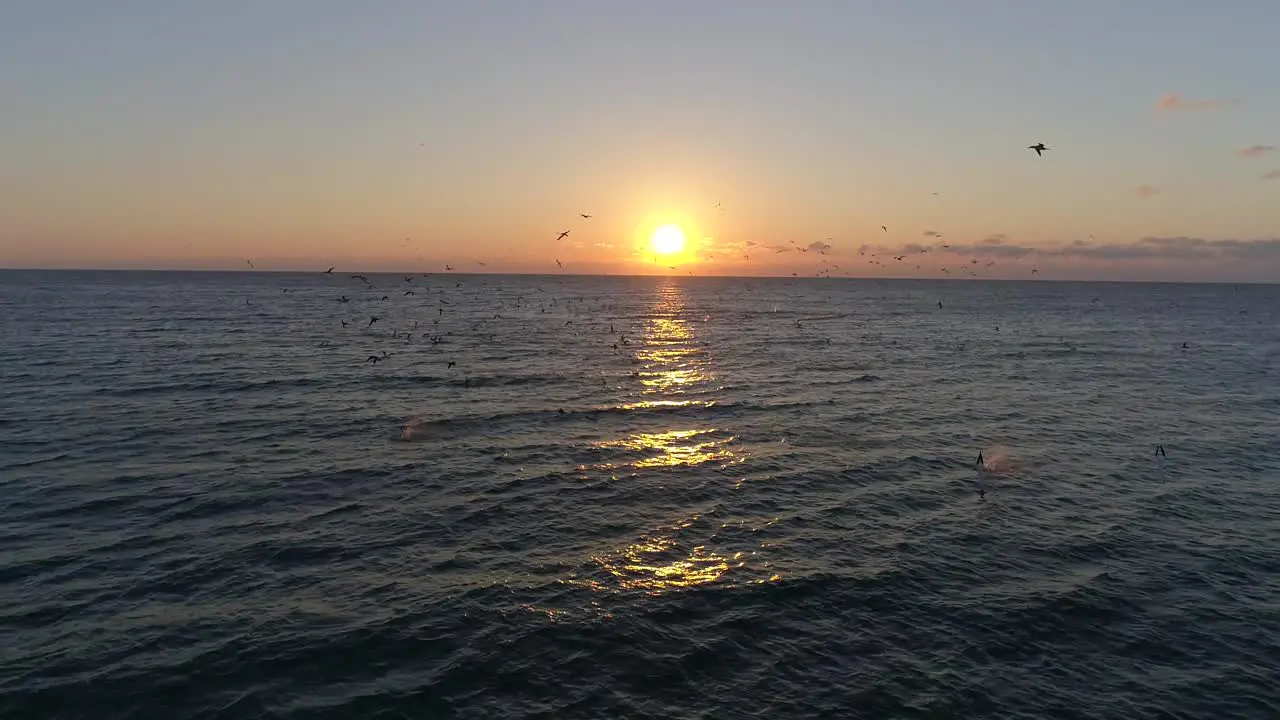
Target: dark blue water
x,y
761,503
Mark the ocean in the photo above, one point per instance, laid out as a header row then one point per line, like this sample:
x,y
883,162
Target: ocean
x,y
636,497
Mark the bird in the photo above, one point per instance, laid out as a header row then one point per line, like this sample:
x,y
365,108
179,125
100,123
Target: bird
x,y
329,271
373,359
585,216
250,263
982,476
344,323
1038,147
408,292
448,267
882,227
560,264
372,320
563,234
344,299
360,277
451,364
409,279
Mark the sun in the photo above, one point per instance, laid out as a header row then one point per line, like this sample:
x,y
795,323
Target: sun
x,y
667,240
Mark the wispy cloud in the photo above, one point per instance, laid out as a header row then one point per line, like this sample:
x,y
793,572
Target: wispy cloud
x,y
995,239
1146,191
1173,102
1272,175
1147,248
819,246
932,233
1254,151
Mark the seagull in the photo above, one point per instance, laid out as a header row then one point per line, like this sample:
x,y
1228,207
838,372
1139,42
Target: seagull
x,y
882,227
585,216
329,271
559,264
561,235
408,292
372,320
1038,147
451,364
250,262
982,476
448,267
373,359
344,323
360,277
344,299
409,279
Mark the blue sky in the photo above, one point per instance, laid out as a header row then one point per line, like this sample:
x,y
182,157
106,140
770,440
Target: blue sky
x,y
409,134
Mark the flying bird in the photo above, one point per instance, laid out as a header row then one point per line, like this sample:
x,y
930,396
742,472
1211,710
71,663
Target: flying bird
x,y
329,271
250,263
1039,148
882,227
561,235
559,265
585,216
372,320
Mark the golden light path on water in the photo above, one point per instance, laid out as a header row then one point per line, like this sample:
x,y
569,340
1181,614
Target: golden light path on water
x,y
675,364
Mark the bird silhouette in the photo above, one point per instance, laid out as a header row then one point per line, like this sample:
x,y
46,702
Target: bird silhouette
x,y
1039,148
563,234
330,271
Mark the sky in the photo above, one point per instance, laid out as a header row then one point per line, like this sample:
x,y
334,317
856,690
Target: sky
x,y
411,134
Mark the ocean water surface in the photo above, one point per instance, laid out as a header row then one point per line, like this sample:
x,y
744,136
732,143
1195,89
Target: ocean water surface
x,y
609,497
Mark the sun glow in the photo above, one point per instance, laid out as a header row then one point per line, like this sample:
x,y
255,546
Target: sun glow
x,y
667,240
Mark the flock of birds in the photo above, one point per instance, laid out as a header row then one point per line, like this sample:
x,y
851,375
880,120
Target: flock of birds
x,y
435,335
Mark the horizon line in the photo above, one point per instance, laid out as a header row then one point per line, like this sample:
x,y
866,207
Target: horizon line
x,y
455,273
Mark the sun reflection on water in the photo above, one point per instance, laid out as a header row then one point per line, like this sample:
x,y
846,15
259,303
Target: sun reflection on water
x,y
676,448
658,563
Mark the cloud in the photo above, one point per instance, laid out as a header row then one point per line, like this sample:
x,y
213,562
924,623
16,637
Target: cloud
x,y
819,246
932,233
1173,102
1179,248
1147,248
1254,151
1146,191
994,239
1272,175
